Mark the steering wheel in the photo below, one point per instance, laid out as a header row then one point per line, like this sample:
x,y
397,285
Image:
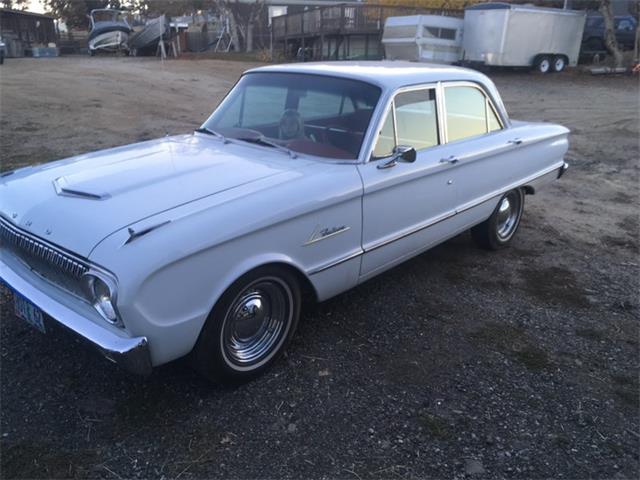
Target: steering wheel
x,y
291,125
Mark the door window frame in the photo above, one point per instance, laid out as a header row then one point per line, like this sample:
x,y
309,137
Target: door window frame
x,y
488,106
390,108
443,137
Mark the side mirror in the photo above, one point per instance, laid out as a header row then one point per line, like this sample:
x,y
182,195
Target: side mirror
x,y
405,153
401,153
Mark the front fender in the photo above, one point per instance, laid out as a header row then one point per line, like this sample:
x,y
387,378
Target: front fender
x,y
170,278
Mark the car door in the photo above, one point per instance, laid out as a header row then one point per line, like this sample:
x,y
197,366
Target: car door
x,y
477,143
406,205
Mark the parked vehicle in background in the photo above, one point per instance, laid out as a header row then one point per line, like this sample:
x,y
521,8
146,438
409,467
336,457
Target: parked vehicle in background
x,y
507,35
307,180
426,38
593,37
3,51
109,31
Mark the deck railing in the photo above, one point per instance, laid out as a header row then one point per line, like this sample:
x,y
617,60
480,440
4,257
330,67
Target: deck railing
x,y
344,19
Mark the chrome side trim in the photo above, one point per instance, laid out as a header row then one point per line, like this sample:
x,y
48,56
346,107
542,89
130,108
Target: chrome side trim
x,y
415,229
335,263
130,352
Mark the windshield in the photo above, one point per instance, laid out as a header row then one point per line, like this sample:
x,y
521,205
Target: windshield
x,y
314,114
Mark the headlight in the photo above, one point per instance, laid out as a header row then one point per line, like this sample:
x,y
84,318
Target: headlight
x,y
101,292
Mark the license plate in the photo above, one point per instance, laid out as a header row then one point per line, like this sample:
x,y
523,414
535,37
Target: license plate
x,y
28,312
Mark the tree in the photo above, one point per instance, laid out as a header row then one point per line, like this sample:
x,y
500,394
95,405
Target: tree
x,y
610,41
243,18
14,4
74,12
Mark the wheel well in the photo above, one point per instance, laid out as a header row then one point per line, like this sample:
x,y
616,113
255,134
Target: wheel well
x,y
529,190
540,56
308,291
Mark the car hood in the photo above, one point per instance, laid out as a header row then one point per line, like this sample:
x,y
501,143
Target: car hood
x,y
77,202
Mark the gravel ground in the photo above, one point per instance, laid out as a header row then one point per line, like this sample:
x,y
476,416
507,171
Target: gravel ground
x,y
461,362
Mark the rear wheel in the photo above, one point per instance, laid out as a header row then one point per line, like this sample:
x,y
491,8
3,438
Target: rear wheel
x,y
543,64
250,326
559,62
498,230
1,58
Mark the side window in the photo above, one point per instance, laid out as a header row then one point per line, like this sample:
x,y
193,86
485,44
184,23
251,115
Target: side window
x,y
494,123
468,113
624,25
417,122
386,138
437,32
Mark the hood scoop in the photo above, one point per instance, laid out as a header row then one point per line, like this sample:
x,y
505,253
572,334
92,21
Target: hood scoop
x,y
62,188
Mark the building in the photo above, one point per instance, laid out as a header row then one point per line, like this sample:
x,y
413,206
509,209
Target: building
x,y
22,31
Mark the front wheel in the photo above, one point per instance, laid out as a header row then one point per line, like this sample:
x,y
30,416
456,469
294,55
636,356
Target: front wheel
x,y
250,326
496,232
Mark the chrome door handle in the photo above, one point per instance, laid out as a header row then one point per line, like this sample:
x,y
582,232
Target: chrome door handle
x,y
452,160
515,141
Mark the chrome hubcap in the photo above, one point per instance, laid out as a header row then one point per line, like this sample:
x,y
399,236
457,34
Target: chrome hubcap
x,y
544,66
257,322
559,64
508,213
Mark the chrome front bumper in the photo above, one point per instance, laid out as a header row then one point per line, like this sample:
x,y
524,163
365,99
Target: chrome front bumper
x,y
132,353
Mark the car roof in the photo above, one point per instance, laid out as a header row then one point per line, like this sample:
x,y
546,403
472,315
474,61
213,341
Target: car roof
x,y
388,74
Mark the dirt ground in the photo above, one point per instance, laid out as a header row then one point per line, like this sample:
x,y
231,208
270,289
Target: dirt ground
x,y
518,364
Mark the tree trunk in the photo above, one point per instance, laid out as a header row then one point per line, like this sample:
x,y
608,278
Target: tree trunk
x,y
610,41
233,28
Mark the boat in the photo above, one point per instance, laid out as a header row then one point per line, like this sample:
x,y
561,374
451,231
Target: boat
x,y
146,40
109,31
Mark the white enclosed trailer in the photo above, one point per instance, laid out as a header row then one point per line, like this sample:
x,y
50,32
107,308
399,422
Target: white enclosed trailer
x,y
426,38
503,34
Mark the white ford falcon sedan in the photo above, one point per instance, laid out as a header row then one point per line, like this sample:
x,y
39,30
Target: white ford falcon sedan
x,y
307,180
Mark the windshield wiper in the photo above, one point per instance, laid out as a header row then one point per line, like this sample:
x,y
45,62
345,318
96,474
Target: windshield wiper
x,y
262,140
208,131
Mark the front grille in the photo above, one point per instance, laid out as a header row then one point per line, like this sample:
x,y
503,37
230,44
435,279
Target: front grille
x,y
60,268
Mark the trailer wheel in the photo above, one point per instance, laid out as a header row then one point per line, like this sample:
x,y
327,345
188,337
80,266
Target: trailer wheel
x,y
542,63
559,62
